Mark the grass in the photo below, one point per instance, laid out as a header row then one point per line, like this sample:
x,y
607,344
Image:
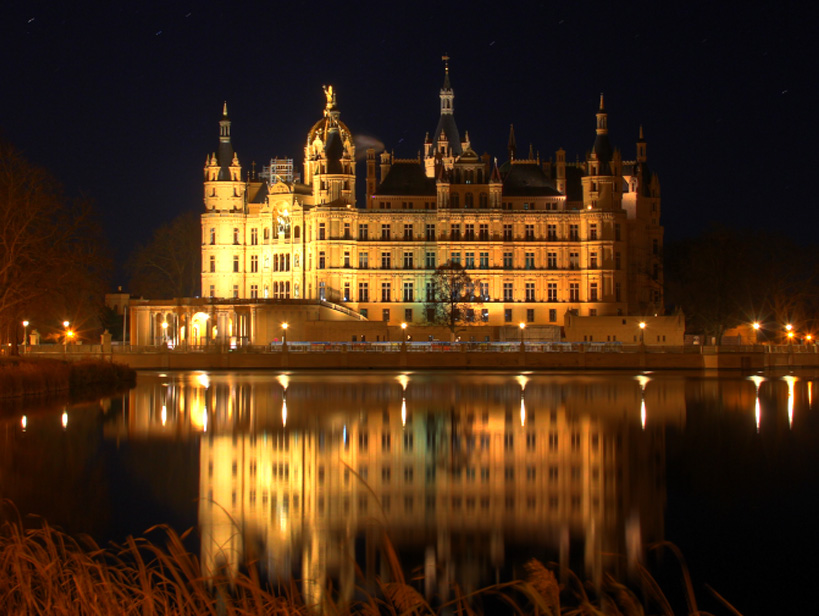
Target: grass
x,y
44,377
44,571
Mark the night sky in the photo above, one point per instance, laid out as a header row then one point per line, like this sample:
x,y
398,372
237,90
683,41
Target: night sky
x,y
121,101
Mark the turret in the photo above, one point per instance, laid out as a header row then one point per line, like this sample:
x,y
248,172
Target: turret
x,y
446,141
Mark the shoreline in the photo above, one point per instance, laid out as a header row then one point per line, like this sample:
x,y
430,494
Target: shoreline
x,y
333,356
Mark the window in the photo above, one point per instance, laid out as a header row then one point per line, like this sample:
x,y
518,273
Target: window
x,y
484,289
552,315
455,231
593,231
385,293
408,231
254,236
483,200
212,236
385,314
530,315
483,231
507,315
507,260
212,264
347,231
430,232
322,231
485,315
430,260
530,232
617,231
456,258
574,292
430,290
484,260
618,292
530,291
236,291
346,296
363,292
212,291
386,260
235,236
267,233
469,232
507,232
362,232
551,292
346,258
508,295
385,231
363,260
592,260
408,260
408,315
593,292
551,260
469,262
254,291
321,260
574,260
408,292
468,200
551,232
574,233
235,263
617,263
530,260
530,441
454,201
254,264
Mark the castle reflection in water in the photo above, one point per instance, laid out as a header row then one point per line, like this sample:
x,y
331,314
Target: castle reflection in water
x,y
469,474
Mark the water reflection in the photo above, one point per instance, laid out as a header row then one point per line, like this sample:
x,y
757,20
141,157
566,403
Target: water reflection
x,y
468,475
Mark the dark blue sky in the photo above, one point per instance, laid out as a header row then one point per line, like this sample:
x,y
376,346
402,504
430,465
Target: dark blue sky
x,y
121,101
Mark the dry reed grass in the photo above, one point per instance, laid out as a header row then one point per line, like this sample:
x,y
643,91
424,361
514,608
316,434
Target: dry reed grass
x,y
44,571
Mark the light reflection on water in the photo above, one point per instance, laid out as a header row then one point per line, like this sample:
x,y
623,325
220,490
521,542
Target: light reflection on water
x,y
469,474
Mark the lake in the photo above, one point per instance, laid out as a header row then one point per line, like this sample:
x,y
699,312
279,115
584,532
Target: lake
x,y
467,474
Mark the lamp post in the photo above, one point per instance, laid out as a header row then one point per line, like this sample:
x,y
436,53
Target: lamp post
x,y
403,336
284,336
65,336
789,333
522,327
25,336
642,325
756,326
165,333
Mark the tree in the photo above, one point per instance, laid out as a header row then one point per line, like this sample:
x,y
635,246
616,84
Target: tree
x,y
450,297
169,265
53,262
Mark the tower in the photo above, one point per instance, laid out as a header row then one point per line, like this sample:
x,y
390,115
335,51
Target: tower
x,y
445,145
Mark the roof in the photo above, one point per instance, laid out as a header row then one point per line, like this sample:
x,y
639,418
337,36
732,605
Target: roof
x,y
527,179
407,178
446,125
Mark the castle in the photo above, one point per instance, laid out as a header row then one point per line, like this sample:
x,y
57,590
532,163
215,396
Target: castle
x,y
539,239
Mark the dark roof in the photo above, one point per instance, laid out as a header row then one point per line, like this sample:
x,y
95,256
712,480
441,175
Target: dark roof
x,y
407,178
527,180
225,156
446,125
602,148
260,193
334,151
574,184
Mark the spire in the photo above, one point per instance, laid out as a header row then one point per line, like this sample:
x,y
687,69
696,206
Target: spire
x,y
447,95
225,153
602,119
531,152
446,129
602,149
446,85
512,146
641,147
224,125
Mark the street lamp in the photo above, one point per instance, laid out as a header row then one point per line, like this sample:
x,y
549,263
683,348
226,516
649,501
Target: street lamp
x,y
403,335
25,336
165,333
522,326
284,334
65,337
642,325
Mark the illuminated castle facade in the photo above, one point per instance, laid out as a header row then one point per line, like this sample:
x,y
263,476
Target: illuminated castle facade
x,y
538,239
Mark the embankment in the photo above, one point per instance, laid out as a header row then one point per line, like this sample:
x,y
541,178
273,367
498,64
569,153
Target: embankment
x,y
44,376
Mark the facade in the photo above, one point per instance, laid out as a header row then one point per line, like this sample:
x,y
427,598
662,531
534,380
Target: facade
x,y
538,239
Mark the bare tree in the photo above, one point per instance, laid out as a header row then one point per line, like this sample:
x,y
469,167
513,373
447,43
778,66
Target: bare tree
x,y
53,261
169,265
451,297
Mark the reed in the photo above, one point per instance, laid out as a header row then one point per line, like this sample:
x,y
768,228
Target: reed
x,y
47,377
44,571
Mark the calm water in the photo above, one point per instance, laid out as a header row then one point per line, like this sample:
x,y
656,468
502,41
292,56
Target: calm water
x,y
469,473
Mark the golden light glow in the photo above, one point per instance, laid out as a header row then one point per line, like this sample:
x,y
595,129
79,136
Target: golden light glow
x,y
403,379
789,327
70,334
757,381
403,411
755,325
25,323
64,420
642,324
284,410
522,325
164,414
403,326
522,411
24,422
164,325
643,413
66,324
285,326
790,335
791,381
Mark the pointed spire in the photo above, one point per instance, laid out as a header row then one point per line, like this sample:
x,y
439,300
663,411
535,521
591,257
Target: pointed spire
x,y
641,138
511,146
602,106
446,85
224,110
531,152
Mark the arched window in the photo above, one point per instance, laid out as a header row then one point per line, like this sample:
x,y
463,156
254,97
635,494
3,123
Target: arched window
x,y
297,232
